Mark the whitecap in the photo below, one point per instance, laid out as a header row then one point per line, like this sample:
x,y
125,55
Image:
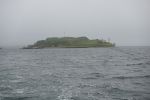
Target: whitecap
x,y
19,91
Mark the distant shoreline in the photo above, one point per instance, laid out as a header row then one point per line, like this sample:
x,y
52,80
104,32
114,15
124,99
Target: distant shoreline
x,y
66,47
69,42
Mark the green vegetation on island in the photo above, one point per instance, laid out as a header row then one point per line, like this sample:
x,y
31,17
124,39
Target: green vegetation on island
x,y
69,42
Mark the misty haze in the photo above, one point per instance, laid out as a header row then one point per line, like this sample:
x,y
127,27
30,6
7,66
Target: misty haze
x,y
74,50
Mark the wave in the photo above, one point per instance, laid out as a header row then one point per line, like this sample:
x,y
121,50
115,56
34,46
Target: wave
x,y
135,64
2,89
148,63
16,98
131,77
93,76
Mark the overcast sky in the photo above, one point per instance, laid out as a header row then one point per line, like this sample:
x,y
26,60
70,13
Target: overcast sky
x,y
125,22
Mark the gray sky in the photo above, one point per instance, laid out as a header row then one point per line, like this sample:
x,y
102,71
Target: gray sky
x,y
126,22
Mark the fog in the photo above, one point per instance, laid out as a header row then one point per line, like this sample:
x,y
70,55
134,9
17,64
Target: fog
x,y
125,22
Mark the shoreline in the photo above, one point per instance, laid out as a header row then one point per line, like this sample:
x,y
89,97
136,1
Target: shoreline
x,y
69,47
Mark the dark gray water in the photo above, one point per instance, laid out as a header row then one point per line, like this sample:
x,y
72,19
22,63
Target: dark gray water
x,y
120,73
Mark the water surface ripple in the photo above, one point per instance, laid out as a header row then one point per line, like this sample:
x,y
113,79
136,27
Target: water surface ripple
x,y
118,73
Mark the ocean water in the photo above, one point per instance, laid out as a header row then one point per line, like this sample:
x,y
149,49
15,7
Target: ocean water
x,y
117,73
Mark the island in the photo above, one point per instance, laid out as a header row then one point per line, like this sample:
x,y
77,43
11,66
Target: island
x,y
69,42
